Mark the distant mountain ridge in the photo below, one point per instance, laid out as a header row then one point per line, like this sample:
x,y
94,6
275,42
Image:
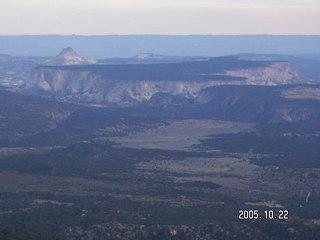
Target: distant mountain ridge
x,y
108,46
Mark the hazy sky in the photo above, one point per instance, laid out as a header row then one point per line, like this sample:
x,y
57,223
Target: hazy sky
x,y
104,17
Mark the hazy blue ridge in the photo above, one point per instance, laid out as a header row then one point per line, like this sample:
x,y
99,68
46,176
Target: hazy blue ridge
x,y
130,45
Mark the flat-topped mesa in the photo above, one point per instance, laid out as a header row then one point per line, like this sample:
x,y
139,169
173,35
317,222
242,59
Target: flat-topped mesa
x,y
143,56
68,56
134,83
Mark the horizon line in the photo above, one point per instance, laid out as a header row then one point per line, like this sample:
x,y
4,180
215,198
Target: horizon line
x,y
142,34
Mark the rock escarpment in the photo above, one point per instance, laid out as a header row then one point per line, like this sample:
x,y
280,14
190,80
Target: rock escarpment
x,y
130,84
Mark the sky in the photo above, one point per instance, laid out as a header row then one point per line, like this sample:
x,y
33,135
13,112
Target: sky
x,y
173,17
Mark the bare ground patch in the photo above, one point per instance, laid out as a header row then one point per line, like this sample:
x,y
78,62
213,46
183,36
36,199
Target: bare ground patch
x,y
212,165
181,135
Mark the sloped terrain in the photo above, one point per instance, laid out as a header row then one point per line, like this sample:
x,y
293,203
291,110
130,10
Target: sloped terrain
x,y
84,171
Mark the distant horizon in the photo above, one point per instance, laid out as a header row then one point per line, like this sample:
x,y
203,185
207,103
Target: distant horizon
x,y
107,46
155,34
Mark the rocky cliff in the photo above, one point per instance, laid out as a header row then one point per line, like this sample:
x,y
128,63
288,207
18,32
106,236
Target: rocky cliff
x,y
129,84
277,73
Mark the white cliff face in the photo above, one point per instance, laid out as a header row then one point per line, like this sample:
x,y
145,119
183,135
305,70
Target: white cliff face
x,y
276,74
90,87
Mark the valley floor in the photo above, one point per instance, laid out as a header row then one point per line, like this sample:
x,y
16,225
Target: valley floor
x,y
173,189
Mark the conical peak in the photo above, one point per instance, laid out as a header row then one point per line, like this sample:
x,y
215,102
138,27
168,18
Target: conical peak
x,y
67,53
